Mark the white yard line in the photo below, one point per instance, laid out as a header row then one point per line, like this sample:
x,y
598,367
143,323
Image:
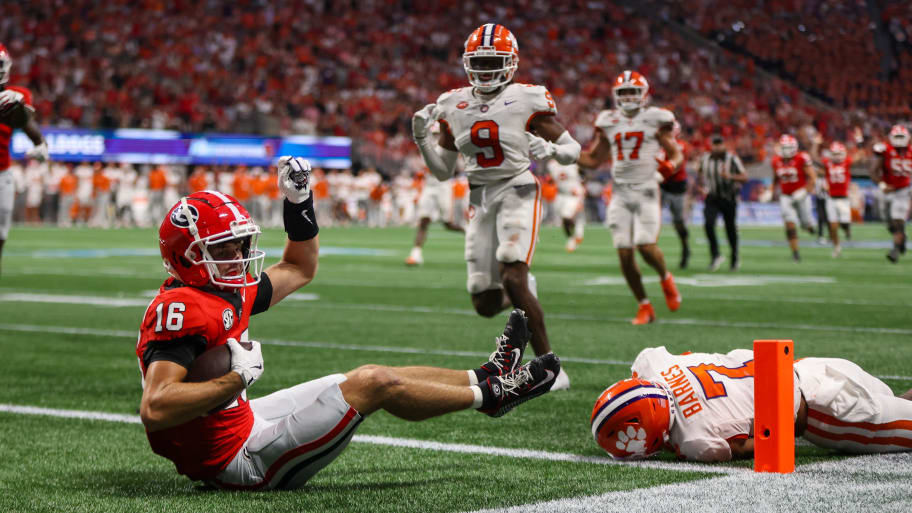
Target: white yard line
x,y
408,443
66,330
845,485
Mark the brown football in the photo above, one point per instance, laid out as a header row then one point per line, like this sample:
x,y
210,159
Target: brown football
x,y
16,116
213,363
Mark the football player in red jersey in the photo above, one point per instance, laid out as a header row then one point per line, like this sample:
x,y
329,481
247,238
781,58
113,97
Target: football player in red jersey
x,y
892,170
210,430
10,96
674,192
837,170
794,175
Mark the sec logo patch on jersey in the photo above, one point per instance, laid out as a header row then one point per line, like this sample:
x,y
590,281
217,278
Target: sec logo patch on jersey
x,y
228,318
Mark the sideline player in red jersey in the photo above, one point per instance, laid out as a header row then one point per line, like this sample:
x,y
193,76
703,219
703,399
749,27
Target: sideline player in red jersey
x,y
208,244
9,96
892,170
795,177
633,137
674,193
701,406
837,171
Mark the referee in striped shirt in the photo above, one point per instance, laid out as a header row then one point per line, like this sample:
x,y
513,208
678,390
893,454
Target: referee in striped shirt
x,y
721,174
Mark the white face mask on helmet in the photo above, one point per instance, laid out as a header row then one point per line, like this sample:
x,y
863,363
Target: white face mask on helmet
x,y
630,91
788,146
899,137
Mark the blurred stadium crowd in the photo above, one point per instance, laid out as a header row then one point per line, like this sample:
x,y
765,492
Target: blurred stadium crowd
x,y
750,70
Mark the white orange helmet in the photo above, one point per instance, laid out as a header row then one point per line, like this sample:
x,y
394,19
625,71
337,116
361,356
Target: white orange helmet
x,y
788,146
630,90
486,43
899,136
838,152
632,419
6,62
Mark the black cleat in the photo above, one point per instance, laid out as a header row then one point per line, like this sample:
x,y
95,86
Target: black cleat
x,y
893,256
503,393
510,347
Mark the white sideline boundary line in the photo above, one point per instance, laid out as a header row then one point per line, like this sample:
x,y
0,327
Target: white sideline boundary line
x,y
65,330
409,443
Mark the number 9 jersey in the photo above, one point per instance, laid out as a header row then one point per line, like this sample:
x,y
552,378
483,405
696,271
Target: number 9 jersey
x,y
490,132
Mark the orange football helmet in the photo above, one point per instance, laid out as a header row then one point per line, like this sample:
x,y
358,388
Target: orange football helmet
x,y
899,136
630,91
484,45
632,419
788,146
838,152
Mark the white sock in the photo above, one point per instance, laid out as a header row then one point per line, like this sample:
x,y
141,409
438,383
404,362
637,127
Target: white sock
x,y
478,397
473,378
645,301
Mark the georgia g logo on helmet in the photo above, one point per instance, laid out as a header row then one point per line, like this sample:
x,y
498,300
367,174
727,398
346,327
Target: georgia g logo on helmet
x,y
179,218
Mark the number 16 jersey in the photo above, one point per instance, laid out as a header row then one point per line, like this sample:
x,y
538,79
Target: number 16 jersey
x,y
490,132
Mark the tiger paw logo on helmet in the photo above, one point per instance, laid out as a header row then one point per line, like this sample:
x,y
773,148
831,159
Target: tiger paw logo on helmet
x,y
633,441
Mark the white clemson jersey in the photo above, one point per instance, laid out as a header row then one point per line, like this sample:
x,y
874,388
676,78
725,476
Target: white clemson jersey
x,y
491,133
634,145
713,395
566,177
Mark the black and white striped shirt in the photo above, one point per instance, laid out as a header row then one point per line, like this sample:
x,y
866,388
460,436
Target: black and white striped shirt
x,y
711,168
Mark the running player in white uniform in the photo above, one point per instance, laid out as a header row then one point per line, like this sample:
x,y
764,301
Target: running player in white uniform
x,y
569,202
496,124
701,406
632,137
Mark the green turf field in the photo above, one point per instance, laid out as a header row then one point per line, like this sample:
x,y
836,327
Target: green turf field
x,y
71,301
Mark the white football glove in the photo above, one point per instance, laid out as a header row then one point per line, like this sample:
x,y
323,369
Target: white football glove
x,y
294,178
39,153
9,97
422,121
248,364
539,148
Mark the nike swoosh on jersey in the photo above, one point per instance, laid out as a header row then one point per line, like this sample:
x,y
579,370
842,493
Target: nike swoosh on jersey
x,y
508,102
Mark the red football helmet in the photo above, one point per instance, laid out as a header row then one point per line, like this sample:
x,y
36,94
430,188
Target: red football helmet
x,y
6,62
630,90
838,152
788,146
196,224
487,41
899,136
632,419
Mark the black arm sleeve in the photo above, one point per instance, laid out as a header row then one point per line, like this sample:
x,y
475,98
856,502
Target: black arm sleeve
x,y
181,351
263,295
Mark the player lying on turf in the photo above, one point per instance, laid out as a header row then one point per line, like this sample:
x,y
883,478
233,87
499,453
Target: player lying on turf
x,y
701,406
199,417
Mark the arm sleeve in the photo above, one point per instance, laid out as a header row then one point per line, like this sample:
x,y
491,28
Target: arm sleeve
x,y
181,351
263,295
440,161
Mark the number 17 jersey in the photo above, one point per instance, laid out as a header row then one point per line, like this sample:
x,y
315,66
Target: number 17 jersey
x,y
490,132
634,145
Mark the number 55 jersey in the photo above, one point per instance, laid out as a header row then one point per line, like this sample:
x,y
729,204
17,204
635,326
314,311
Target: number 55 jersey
x,y
713,398
490,132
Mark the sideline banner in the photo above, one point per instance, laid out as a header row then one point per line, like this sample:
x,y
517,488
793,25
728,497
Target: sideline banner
x,y
138,146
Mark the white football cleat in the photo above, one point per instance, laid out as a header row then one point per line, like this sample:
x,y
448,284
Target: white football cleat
x,y
562,381
571,245
415,257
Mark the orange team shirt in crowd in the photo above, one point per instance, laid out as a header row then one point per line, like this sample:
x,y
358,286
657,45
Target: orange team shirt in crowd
x,y
258,184
240,187
101,182
321,189
460,188
157,179
68,184
198,182
377,192
272,186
